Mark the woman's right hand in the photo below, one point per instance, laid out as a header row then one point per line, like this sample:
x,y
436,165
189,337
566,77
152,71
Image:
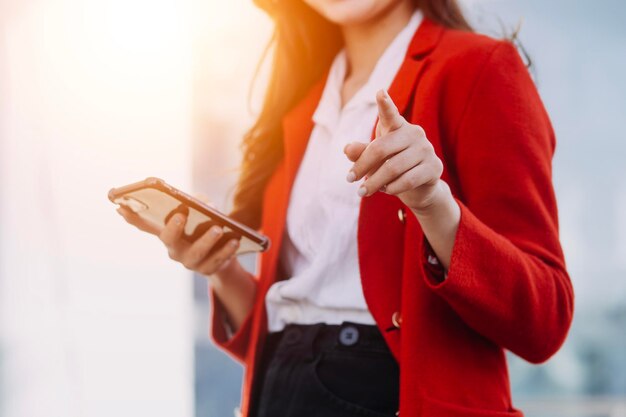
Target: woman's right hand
x,y
193,256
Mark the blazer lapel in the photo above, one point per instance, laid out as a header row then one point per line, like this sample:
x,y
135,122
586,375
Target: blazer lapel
x,y
424,41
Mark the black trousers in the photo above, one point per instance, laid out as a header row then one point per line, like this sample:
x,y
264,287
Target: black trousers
x,y
326,370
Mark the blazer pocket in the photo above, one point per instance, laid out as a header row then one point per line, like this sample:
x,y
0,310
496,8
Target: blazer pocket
x,y
438,408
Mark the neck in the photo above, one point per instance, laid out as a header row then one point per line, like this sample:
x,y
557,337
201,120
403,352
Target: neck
x,y
366,42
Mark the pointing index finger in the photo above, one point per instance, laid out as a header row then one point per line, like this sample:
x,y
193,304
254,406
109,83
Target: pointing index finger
x,y
388,115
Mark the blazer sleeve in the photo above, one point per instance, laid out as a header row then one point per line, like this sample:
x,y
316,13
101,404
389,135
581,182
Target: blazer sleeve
x,y
234,344
507,277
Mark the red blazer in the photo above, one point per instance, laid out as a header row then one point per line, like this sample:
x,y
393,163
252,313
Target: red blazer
x,y
507,285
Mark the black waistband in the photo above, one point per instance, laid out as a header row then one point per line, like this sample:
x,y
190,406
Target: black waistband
x,y
311,338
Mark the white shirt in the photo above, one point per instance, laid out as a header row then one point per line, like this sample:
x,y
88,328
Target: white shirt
x,y
319,250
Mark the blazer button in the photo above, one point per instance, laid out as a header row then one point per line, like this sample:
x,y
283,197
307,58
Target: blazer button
x,y
402,215
396,319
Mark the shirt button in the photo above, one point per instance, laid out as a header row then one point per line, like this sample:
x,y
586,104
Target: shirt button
x,y
396,319
349,335
402,215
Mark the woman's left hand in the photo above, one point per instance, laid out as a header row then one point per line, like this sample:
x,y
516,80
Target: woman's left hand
x,y
401,161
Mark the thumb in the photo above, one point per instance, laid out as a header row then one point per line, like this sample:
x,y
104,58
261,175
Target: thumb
x,y
353,150
389,118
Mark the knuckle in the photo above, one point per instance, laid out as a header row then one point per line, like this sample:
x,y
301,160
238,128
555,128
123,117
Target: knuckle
x,y
417,180
392,167
438,166
419,130
421,181
377,149
201,246
403,184
232,249
426,147
392,188
192,256
398,135
409,181
166,238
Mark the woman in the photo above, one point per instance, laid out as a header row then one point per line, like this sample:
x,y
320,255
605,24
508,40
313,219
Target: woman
x,y
414,232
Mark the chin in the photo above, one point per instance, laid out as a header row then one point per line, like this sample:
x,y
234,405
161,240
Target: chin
x,y
350,12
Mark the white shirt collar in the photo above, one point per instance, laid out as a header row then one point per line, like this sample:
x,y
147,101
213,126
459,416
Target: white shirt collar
x,y
385,70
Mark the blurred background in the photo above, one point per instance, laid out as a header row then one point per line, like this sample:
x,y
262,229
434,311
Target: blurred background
x,y
95,320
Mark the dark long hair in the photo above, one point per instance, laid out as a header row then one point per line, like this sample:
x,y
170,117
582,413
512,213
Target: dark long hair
x,y
304,45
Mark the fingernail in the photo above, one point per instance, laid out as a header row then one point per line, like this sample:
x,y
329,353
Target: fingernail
x,y
351,177
233,243
386,94
345,147
362,191
216,230
178,219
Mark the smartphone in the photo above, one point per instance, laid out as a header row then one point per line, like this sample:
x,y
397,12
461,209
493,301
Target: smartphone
x,y
156,202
